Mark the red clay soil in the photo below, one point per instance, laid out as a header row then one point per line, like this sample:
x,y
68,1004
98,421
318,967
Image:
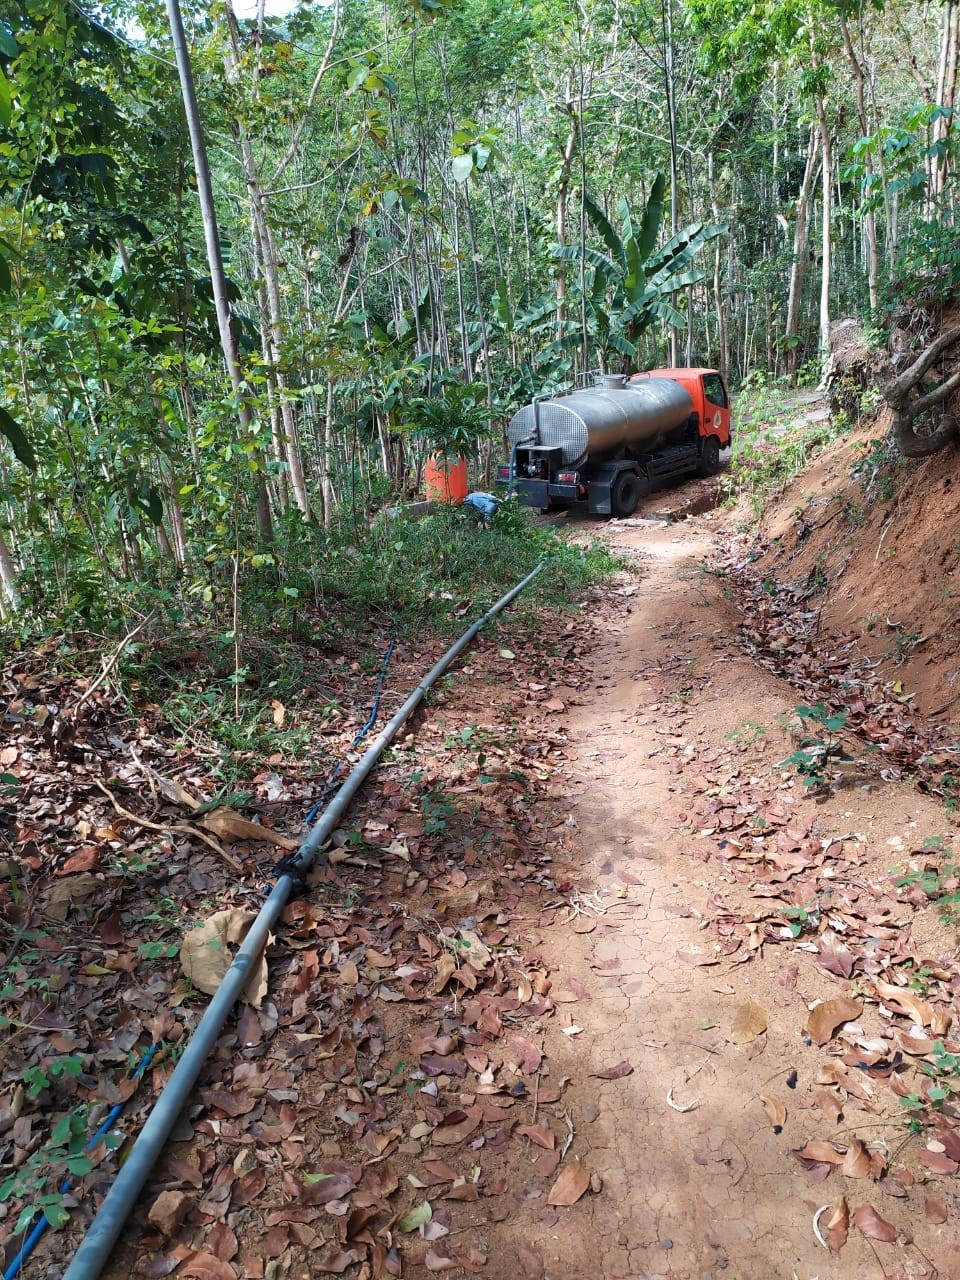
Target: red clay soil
x,y
875,540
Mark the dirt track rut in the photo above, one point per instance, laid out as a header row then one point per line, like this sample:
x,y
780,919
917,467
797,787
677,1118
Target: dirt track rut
x,y
706,1187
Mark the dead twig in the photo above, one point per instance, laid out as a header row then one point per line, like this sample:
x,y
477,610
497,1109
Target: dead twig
x,y
568,1140
109,665
178,829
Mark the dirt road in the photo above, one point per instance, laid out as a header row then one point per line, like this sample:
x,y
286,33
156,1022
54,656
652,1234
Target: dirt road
x,y
693,1146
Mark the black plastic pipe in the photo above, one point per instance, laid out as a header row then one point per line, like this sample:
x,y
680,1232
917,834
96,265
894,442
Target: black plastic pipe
x,y
96,1246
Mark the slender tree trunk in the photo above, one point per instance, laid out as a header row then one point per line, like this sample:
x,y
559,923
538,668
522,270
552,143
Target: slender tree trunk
x,y
946,95
265,255
8,576
175,513
211,235
719,302
871,249
801,228
826,179
563,195
669,81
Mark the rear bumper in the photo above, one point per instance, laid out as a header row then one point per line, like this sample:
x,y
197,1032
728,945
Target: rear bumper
x,y
538,493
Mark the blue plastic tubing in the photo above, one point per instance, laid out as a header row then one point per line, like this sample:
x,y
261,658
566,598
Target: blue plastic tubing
x,y
95,1248
15,1266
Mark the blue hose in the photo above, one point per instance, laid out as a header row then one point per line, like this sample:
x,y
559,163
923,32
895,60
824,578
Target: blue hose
x,y
331,781
40,1227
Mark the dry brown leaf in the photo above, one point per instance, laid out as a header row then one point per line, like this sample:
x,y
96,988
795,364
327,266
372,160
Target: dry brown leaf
x,y
934,1210
523,1055
446,968
336,1261
822,1152
349,973
248,1187
856,1162
60,897
447,1135
546,1166
435,1261
227,822
903,1000
837,1226
573,1181
468,1191
829,1104
223,1242
872,1225
939,1162
207,1266
834,955
622,1069
776,1111
206,955
172,790
940,1022
749,1021
830,1014
541,1134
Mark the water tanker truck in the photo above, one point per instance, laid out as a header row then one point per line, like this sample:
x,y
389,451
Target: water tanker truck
x,y
610,444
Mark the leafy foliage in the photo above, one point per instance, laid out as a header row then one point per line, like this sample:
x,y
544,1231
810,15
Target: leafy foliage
x,y
633,285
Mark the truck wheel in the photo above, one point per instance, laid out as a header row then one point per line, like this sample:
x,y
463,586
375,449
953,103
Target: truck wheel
x,y
625,494
709,463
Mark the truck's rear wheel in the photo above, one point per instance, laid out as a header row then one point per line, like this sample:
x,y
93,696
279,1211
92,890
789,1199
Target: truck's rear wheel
x,y
625,494
709,463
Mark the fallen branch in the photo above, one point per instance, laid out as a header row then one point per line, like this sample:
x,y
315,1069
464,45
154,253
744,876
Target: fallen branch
x,y
109,665
178,829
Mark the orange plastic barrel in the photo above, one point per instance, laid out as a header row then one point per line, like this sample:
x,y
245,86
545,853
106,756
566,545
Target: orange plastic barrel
x,y
445,480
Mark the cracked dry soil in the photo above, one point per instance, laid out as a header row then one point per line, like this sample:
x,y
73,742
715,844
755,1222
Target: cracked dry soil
x,y
697,1180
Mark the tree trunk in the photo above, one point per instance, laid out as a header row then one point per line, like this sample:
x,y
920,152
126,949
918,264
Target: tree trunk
x,y
666,20
563,194
265,256
871,249
801,229
719,301
826,179
8,576
946,96
908,408
211,235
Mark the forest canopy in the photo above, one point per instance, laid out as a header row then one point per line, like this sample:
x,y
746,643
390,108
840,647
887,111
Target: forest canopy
x,y
427,211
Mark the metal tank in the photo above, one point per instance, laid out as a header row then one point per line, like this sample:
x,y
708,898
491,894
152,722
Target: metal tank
x,y
602,419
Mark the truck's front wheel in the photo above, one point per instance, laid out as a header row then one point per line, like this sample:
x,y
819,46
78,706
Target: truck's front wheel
x,y
625,494
709,463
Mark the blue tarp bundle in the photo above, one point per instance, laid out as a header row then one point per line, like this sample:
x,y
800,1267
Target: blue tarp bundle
x,y
485,503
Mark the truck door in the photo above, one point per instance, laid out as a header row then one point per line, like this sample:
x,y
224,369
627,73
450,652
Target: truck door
x,y
716,407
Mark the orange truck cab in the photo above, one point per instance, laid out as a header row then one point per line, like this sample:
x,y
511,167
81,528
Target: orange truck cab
x,y
610,444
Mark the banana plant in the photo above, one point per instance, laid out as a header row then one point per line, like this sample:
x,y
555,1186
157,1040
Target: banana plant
x,y
631,286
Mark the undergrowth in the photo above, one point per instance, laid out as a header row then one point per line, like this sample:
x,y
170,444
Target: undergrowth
x,y
767,454
222,653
